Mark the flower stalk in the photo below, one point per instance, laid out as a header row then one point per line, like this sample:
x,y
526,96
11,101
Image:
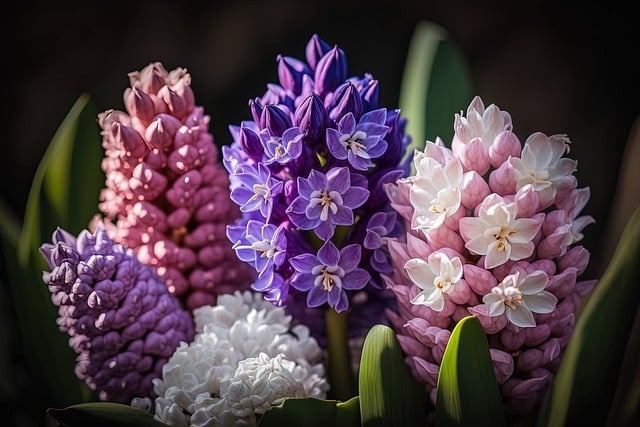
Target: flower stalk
x,y
341,378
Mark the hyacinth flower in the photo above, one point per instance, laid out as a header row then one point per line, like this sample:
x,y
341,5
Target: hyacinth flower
x,y
492,229
167,194
246,357
308,173
121,319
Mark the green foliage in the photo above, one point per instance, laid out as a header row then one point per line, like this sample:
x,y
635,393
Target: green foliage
x,y
64,193
312,412
468,394
590,371
435,85
103,414
389,396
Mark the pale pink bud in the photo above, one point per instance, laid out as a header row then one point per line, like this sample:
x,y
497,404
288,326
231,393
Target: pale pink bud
x,y
563,283
475,156
527,201
577,257
479,279
179,218
512,338
490,324
502,365
536,335
417,248
427,371
505,144
444,236
503,180
474,189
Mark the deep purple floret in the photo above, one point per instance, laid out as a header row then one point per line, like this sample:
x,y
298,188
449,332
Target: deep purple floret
x,y
328,275
255,189
359,143
122,321
325,201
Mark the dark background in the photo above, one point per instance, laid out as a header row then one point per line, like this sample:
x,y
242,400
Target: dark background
x,y
554,67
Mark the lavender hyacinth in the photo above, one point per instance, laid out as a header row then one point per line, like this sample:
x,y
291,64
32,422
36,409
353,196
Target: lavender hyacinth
x,y
166,192
122,321
312,164
493,230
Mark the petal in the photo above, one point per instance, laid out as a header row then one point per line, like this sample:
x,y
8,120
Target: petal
x,y
335,147
304,263
521,316
328,254
316,296
420,273
544,302
344,216
355,197
350,257
495,256
534,282
356,279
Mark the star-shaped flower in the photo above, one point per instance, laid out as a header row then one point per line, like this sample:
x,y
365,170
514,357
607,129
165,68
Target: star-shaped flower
x,y
359,143
519,296
436,277
325,277
325,201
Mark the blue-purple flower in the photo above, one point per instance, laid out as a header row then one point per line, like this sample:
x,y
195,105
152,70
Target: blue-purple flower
x,y
325,277
322,136
359,143
325,201
256,189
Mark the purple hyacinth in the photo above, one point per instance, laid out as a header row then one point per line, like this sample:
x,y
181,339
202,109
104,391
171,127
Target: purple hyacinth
x,y
122,321
322,135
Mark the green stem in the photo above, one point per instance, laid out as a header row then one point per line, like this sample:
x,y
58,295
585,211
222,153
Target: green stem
x,y
341,376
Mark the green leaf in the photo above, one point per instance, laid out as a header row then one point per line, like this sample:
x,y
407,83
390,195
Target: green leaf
x,y
435,85
9,225
312,412
587,379
64,193
103,414
468,393
389,396
65,188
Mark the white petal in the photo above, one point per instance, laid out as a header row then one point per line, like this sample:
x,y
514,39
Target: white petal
x,y
518,251
496,257
544,302
420,273
534,282
521,316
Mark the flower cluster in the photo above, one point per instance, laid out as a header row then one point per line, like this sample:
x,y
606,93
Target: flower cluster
x,y
308,174
492,230
166,192
245,358
122,321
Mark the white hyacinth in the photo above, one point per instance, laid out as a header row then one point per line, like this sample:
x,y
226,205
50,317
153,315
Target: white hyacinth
x,y
245,358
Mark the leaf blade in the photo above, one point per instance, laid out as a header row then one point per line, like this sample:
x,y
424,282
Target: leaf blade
x,y
467,392
389,396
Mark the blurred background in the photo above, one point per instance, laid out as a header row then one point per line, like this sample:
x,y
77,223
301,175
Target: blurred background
x,y
554,67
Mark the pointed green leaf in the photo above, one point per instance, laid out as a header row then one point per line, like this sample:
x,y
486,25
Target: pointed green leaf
x,y
64,192
65,188
586,381
9,225
389,396
435,85
468,393
103,414
312,412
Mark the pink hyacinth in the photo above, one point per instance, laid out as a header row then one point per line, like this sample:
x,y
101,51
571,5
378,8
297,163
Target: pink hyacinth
x,y
167,195
492,231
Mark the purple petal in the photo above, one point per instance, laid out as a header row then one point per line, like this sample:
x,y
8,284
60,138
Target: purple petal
x,y
350,257
347,125
338,179
378,116
344,216
316,296
356,279
334,145
328,254
302,281
324,229
355,197
304,263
